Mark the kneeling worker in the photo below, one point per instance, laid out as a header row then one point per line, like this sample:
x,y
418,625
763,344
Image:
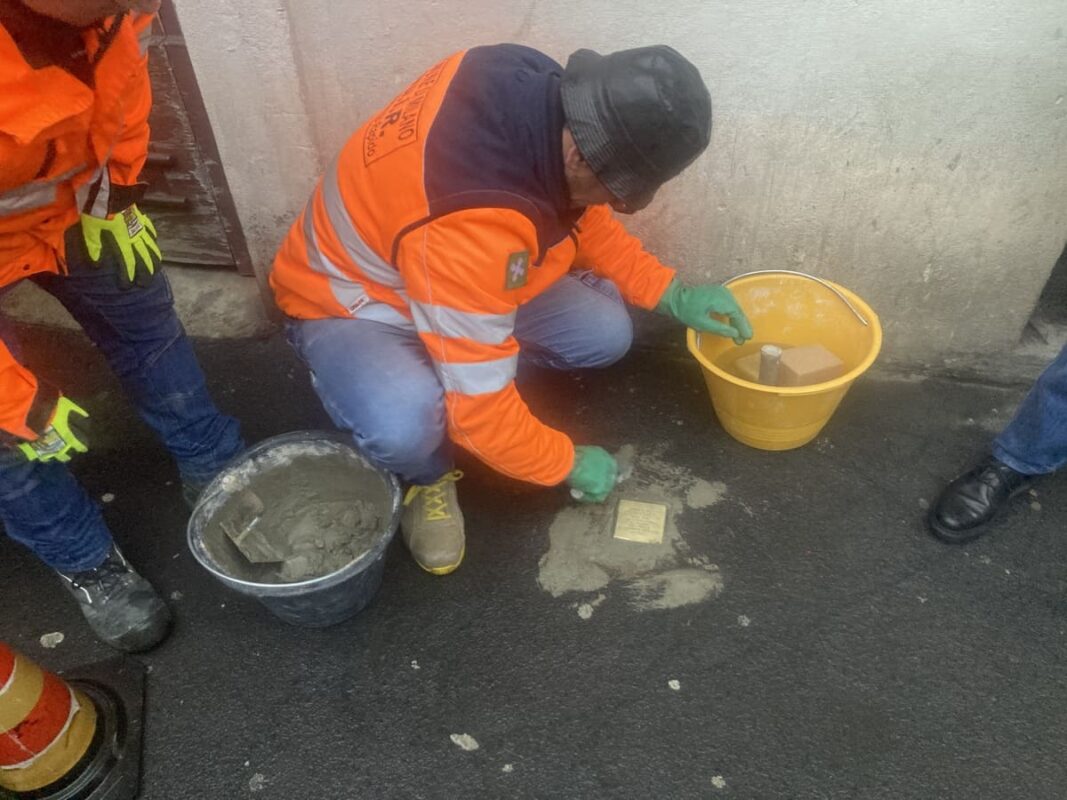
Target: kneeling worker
x,y
468,223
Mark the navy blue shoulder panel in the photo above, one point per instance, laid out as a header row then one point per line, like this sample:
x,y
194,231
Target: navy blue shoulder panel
x,y
496,140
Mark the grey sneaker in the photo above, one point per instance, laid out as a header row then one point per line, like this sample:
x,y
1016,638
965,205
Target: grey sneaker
x,y
432,525
120,606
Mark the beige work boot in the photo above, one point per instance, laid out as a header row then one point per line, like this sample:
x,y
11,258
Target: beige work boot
x,y
432,525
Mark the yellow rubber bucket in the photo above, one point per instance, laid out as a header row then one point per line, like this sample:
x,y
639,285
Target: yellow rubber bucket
x,y
792,309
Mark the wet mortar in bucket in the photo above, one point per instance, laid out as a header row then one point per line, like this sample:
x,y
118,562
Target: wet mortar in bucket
x,y
312,511
318,508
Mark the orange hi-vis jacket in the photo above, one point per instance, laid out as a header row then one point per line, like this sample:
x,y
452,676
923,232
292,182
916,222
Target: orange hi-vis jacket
x,y
446,212
73,137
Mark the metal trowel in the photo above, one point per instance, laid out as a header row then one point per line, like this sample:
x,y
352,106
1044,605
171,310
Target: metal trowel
x,y
241,529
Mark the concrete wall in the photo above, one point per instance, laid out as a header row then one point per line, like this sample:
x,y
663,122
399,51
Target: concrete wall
x,y
913,150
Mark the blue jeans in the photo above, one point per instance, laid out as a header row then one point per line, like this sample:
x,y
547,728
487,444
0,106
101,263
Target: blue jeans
x,y
377,381
1035,441
42,505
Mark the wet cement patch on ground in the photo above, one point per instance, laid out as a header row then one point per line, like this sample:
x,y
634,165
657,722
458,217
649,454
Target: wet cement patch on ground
x,y
585,558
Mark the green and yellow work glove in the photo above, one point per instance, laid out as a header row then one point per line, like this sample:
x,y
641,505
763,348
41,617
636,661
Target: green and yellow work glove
x,y
694,305
65,434
593,475
134,237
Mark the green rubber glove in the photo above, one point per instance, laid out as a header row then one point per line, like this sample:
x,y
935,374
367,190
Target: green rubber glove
x,y
66,434
593,475
694,305
134,238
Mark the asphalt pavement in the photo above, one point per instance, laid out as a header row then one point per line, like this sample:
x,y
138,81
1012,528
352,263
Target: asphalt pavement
x,y
843,652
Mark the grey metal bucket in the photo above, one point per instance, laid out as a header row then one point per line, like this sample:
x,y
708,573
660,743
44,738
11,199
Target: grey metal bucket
x,y
317,602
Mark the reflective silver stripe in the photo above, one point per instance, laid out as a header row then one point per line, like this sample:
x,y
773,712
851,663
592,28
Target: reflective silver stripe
x,y
145,38
347,292
37,194
28,197
481,328
482,377
382,312
103,197
81,194
373,266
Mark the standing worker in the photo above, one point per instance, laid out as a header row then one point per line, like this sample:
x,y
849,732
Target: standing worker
x,y
467,223
73,138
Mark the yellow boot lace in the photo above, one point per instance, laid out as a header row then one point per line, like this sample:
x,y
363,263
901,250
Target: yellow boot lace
x,y
434,503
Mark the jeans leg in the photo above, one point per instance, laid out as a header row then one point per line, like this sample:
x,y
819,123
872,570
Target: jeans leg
x,y
377,382
580,321
1035,441
46,509
146,346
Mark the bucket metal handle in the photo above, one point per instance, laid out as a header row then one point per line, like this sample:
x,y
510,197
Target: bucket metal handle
x,y
827,284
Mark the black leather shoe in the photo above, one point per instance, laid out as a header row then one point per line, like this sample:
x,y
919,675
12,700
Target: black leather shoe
x,y
120,606
973,499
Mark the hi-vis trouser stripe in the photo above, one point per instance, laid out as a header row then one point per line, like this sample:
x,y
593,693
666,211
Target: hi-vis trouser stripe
x,y
36,194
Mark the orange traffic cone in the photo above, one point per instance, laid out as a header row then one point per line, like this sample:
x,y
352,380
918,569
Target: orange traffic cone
x,y
46,726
